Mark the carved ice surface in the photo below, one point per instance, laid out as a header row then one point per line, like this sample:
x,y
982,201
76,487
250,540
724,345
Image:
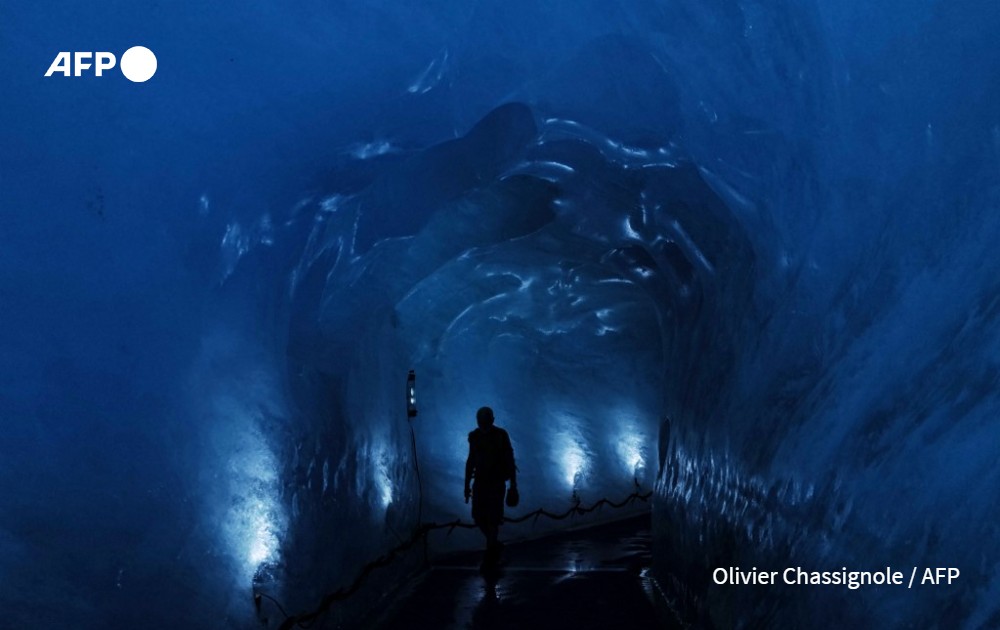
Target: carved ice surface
x,y
740,253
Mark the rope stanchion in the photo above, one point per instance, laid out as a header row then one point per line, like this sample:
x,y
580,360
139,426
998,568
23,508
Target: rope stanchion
x,y
305,620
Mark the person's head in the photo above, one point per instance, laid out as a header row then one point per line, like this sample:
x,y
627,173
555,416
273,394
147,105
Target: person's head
x,y
484,417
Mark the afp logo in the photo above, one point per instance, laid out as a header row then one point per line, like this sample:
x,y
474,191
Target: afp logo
x,y
138,64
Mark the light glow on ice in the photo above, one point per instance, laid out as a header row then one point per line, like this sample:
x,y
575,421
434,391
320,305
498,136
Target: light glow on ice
x,y
571,456
263,542
256,519
383,481
630,450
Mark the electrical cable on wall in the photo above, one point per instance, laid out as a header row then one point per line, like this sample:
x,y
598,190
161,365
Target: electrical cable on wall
x,y
411,413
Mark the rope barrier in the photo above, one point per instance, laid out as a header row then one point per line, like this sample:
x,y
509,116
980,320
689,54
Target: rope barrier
x,y
306,620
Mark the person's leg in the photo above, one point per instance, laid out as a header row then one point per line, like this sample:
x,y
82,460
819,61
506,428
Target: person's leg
x,y
486,532
482,513
495,518
491,556
492,530
491,513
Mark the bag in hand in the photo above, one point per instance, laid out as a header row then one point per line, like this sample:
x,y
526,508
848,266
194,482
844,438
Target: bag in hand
x,y
513,498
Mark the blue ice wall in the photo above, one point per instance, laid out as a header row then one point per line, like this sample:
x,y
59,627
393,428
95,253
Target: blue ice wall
x,y
741,251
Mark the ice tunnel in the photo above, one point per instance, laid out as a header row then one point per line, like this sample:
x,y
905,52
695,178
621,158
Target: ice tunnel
x,y
741,255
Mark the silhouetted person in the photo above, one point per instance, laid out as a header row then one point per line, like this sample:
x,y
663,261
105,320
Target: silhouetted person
x,y
491,464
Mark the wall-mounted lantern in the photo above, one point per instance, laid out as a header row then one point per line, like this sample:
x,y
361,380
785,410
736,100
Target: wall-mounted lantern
x,y
411,395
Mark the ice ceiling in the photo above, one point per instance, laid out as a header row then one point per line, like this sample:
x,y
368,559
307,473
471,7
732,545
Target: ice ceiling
x,y
743,253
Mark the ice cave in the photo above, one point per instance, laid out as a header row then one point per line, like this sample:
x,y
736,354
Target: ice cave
x,y
736,256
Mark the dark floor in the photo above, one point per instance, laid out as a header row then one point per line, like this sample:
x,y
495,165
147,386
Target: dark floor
x,y
592,578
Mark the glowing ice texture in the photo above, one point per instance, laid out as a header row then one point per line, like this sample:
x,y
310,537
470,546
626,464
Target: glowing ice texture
x,y
574,463
381,459
247,472
630,448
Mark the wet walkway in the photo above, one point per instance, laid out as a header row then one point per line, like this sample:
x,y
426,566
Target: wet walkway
x,y
590,578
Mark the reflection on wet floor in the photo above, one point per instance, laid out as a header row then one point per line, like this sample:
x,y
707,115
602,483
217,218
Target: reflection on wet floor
x,y
592,578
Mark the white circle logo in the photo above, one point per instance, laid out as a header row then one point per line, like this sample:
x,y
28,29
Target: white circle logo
x,y
138,64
